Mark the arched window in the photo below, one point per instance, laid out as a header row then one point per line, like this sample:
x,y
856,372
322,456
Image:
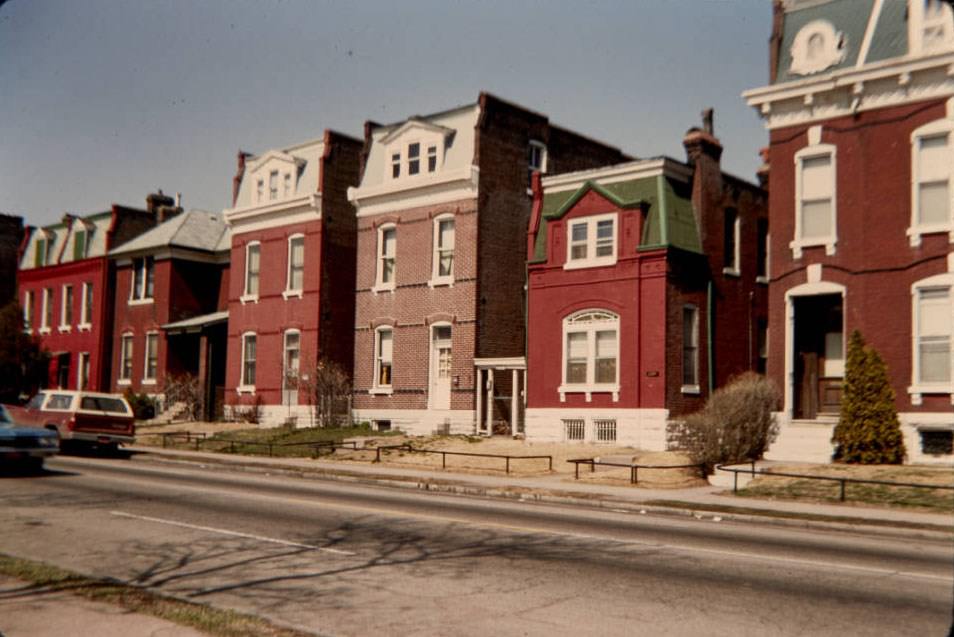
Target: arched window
x,y
591,353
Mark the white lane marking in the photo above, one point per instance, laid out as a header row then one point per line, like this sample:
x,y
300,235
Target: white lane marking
x,y
212,529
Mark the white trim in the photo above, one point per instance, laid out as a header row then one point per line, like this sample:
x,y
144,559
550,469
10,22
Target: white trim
x,y
643,428
377,359
66,325
379,256
289,290
869,33
628,171
274,214
917,388
29,311
591,260
691,388
433,369
149,301
805,289
932,129
243,386
123,379
436,278
573,324
813,151
917,21
286,368
247,295
429,189
46,305
86,321
146,378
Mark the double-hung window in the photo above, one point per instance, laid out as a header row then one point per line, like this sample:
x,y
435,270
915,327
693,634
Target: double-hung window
x,y
762,252
383,356
81,239
395,165
259,190
252,265
431,158
932,174
44,248
86,310
46,319
248,360
933,324
443,259
591,353
126,358
592,241
296,264
413,158
690,349
66,309
144,279
731,236
815,198
288,185
152,357
28,310
387,254
273,185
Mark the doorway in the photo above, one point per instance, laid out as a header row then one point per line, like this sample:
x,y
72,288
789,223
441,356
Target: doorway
x,y
819,356
63,371
441,367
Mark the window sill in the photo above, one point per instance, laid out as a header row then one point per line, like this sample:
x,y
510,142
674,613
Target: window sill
x,y
378,289
287,294
762,279
580,264
731,272
245,389
125,382
799,245
148,301
691,390
44,330
589,390
27,331
442,282
64,329
916,232
381,391
248,298
148,381
85,327
917,392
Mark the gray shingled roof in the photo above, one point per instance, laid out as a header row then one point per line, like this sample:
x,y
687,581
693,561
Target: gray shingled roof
x,y
193,230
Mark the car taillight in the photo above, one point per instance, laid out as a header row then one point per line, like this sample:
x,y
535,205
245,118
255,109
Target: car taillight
x,y
71,423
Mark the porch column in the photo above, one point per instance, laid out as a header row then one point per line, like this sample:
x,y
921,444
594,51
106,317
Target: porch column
x,y
478,390
515,402
490,402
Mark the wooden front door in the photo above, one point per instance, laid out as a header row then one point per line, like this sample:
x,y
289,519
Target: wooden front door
x,y
819,356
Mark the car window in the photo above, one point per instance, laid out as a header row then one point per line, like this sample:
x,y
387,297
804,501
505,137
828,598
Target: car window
x,y
103,403
36,402
4,416
59,402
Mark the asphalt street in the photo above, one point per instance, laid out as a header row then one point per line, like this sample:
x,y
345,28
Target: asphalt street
x,y
334,558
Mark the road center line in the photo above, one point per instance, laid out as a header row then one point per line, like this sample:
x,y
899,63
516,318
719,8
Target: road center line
x,y
211,529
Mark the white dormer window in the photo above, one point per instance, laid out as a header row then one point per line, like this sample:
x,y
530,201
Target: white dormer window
x,y
395,165
930,26
44,248
591,242
536,159
431,158
81,239
413,158
932,173
288,185
273,185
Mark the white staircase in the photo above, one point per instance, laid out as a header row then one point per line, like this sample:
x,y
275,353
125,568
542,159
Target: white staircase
x,y
804,441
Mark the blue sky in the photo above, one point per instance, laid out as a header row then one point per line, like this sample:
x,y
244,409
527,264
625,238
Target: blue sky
x,y
103,101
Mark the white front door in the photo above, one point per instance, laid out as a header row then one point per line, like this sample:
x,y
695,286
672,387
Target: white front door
x,y
440,367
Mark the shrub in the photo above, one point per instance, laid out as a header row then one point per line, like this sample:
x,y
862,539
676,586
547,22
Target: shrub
x,y
868,431
328,390
736,425
143,405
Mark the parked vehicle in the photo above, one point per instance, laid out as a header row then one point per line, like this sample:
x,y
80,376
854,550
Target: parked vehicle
x,y
25,446
89,418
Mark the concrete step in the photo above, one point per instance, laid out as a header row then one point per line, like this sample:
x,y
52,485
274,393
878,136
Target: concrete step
x,y
803,441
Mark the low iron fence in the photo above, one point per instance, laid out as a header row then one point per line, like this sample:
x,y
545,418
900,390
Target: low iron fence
x,y
444,454
200,438
751,470
633,468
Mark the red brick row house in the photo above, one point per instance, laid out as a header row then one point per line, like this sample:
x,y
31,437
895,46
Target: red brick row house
x,y
291,293
647,289
170,311
860,113
442,208
65,282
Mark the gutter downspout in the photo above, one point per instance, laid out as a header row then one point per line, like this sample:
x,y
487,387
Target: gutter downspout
x,y
709,331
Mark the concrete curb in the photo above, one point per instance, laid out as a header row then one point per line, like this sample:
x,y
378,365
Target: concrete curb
x,y
888,528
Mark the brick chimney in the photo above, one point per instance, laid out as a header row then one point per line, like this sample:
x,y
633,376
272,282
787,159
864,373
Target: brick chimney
x,y
239,174
763,171
162,206
703,152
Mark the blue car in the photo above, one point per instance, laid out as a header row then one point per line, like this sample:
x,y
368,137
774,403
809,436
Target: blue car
x,y
25,447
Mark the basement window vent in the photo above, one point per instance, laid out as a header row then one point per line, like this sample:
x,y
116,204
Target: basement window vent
x,y
937,443
574,429
382,425
605,430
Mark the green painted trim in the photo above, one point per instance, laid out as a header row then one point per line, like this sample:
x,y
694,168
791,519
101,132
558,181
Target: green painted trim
x,y
603,192
663,210
709,348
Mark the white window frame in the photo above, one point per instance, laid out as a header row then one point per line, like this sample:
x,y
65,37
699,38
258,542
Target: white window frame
x,y
146,378
28,311
379,284
244,386
248,296
260,190
377,388
735,268
436,278
919,20
82,383
591,260
689,388
932,129
289,290
432,153
47,311
410,160
140,294
273,185
86,319
126,358
285,350
66,308
766,241
287,185
814,150
580,322
917,388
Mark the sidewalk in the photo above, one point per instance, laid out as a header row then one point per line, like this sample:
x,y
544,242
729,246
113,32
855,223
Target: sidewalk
x,y
27,611
709,501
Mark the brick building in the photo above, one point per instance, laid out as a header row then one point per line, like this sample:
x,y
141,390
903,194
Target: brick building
x,y
11,242
170,308
442,209
291,293
66,286
647,289
860,116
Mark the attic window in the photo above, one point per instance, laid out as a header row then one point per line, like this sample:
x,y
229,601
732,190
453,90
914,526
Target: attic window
x,y
431,158
817,46
273,185
536,159
931,25
395,165
81,239
413,158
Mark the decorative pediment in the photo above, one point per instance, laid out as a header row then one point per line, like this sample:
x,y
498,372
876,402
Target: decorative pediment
x,y
277,159
817,46
413,126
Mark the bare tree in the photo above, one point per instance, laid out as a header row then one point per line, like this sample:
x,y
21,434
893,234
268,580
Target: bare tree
x,y
328,389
